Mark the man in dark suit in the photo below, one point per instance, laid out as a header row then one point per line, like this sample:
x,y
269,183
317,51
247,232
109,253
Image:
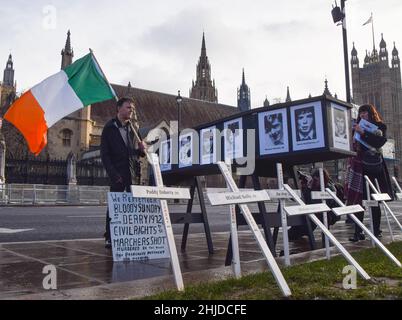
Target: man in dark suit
x,y
120,152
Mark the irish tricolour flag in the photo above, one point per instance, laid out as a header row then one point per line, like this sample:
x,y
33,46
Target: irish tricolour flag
x,y
79,85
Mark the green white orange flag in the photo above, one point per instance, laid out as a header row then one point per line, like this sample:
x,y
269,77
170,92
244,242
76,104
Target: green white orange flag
x,y
79,85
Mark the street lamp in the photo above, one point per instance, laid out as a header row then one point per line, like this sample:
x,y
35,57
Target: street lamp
x,y
339,15
179,100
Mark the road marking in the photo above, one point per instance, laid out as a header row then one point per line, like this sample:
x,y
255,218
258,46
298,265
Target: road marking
x,y
80,250
99,216
51,241
11,231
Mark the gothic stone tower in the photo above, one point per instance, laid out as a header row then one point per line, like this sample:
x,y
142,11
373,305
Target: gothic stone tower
x,y
379,84
204,87
243,96
72,133
67,54
7,87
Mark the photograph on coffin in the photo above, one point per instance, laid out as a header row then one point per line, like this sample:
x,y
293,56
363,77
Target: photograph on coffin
x,y
233,139
307,126
273,132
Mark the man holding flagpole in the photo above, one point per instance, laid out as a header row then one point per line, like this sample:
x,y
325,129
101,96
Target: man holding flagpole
x,y
120,152
75,87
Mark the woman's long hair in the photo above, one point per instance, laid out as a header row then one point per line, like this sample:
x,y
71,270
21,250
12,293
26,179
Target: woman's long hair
x,y
372,111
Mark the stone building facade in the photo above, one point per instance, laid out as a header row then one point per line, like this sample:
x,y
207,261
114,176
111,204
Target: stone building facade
x,y
378,82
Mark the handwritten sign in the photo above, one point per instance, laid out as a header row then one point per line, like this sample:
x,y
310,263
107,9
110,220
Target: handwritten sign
x,y
136,228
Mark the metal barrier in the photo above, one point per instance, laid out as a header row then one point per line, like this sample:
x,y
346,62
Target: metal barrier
x,y
35,194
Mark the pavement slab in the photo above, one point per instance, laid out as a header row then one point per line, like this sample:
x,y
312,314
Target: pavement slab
x,y
85,269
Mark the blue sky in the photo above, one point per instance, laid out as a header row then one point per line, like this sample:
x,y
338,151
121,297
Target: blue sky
x,y
156,44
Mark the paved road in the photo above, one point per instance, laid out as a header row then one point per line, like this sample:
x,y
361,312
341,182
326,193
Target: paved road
x,y
62,223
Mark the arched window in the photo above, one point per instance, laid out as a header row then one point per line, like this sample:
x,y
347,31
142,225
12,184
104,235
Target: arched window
x,y
66,135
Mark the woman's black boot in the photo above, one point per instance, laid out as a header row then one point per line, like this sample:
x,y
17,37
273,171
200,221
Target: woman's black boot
x,y
357,237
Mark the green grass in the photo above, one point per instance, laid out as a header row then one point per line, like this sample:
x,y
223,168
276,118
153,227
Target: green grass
x,y
316,280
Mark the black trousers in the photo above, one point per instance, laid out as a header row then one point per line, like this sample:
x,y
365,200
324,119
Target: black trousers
x,y
121,188
375,212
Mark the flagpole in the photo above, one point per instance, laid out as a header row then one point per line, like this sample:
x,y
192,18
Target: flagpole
x,y
372,29
345,53
104,75
115,95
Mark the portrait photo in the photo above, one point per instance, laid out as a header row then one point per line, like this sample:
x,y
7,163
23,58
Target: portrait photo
x,y
208,146
166,155
273,132
233,144
340,127
186,150
307,126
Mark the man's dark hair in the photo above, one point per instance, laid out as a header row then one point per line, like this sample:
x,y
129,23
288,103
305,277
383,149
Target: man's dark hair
x,y
122,101
303,111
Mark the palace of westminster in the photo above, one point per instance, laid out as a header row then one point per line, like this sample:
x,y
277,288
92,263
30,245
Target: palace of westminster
x,y
377,82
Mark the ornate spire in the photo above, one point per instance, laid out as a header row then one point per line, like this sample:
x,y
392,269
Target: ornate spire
x,y
326,90
383,50
355,60
129,87
204,87
67,48
366,58
67,53
243,95
8,76
395,58
394,51
382,42
266,102
203,47
354,51
288,99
